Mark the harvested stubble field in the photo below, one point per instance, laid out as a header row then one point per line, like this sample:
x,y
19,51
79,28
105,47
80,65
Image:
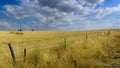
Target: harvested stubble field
x,y
61,49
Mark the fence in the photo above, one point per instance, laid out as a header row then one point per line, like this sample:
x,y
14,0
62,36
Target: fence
x,y
13,54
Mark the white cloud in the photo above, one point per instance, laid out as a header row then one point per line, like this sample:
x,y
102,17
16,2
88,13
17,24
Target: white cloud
x,y
6,25
107,11
54,14
47,15
19,12
92,3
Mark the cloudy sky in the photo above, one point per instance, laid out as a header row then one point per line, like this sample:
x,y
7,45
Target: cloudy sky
x,y
59,14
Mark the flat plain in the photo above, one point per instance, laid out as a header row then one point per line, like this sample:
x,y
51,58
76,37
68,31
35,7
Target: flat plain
x,y
61,49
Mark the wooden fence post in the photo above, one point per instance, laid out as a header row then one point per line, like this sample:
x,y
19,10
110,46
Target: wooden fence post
x,y
12,53
86,36
25,55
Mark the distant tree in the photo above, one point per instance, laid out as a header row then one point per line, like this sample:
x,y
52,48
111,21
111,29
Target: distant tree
x,y
32,29
19,30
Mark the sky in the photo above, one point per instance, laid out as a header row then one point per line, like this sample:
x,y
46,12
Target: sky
x,y
59,14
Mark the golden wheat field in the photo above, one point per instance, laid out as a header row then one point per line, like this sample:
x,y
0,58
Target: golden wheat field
x,y
61,49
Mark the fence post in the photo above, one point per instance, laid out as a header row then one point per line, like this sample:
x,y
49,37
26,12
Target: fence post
x,y
25,55
12,53
86,36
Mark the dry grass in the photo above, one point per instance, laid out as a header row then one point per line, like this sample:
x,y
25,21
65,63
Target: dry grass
x,y
48,49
